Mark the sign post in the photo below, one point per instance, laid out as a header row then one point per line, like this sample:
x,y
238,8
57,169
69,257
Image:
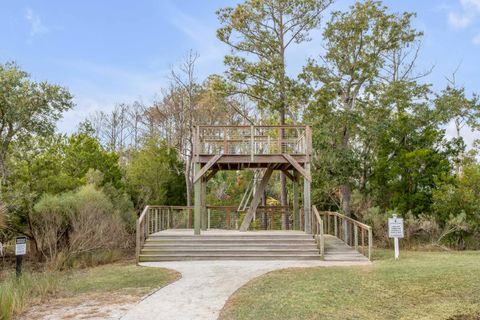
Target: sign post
x,y
395,231
20,251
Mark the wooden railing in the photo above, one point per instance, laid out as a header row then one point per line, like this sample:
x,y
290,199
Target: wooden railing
x,y
318,230
252,140
354,233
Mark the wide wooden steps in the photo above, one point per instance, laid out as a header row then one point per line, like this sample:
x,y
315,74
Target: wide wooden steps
x,y
233,246
337,250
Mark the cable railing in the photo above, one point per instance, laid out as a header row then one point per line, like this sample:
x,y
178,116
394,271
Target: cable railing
x,y
154,219
252,140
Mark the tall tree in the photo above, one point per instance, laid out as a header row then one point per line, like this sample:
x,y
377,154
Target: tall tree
x,y
452,104
27,108
259,33
356,43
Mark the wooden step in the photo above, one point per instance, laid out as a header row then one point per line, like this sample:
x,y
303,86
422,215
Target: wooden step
x,y
234,246
263,256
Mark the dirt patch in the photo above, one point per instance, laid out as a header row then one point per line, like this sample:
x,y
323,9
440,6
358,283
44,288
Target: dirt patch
x,y
85,306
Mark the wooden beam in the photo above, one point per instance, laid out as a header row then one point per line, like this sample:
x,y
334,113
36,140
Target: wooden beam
x,y
211,174
256,199
306,202
198,202
297,166
207,166
289,175
204,204
296,208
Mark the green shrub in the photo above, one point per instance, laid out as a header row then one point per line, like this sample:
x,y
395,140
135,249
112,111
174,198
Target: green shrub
x,y
76,225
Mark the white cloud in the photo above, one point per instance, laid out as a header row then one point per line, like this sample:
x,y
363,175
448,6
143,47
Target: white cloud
x,y
471,4
469,13
36,25
459,21
476,39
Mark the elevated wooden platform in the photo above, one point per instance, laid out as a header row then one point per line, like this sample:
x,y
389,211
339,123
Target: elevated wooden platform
x,y
239,162
265,149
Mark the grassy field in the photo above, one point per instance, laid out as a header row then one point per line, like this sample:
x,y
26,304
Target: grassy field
x,y
122,278
421,285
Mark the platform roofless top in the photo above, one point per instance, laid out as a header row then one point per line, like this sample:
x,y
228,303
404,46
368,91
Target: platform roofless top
x,y
252,143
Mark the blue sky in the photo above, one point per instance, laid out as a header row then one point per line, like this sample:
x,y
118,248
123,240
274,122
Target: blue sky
x,y
108,52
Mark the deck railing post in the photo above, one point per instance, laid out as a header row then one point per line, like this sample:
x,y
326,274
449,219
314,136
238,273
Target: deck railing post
x,y
355,234
370,240
252,142
208,213
335,226
322,243
138,245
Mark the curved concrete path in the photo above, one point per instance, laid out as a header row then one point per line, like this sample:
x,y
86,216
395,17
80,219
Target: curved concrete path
x,y
205,286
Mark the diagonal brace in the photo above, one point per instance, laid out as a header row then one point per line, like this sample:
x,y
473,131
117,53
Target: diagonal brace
x,y
207,166
256,199
297,166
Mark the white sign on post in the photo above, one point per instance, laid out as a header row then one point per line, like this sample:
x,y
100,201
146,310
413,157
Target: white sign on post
x,y
395,231
20,246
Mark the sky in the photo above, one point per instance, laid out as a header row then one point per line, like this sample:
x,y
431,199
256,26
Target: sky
x,y
108,52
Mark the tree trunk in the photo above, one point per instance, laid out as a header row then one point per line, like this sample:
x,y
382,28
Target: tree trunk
x,y
345,193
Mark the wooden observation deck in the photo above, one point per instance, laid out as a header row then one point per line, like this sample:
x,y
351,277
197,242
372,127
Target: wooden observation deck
x,y
264,148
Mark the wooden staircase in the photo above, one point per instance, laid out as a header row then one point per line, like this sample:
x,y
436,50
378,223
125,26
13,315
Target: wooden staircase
x,y
234,245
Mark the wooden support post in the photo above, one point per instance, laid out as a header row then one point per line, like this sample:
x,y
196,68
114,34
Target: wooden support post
x,y
307,207
370,243
204,203
208,213
227,218
252,143
197,201
335,225
256,199
355,235
296,209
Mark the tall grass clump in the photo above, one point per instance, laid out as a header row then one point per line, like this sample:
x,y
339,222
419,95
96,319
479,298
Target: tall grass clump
x,y
16,294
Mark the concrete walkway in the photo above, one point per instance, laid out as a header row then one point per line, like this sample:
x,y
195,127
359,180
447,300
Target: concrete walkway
x,y
205,286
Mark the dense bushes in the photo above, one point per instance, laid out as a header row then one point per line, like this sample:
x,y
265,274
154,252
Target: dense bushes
x,y
74,224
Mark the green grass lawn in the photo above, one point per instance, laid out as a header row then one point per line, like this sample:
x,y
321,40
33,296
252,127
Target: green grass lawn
x,y
122,278
421,285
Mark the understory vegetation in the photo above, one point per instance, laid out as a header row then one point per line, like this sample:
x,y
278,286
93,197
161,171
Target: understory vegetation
x,y
421,285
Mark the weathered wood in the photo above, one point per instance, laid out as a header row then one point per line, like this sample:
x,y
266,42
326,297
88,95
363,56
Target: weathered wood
x,y
290,176
197,202
204,203
296,209
211,174
256,199
206,167
306,200
305,173
246,161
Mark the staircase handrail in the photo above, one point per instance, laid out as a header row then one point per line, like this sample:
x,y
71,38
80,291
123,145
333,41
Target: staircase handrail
x,y
318,231
341,220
